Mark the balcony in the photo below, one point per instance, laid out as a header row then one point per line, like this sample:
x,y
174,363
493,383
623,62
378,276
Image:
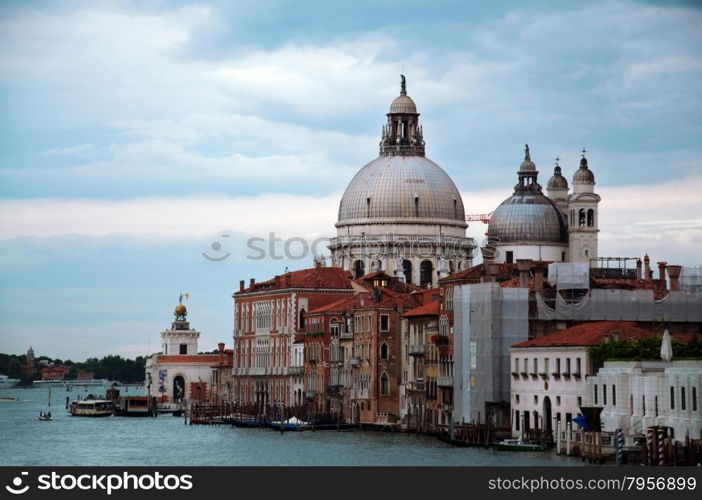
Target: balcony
x,y
543,375
355,361
257,371
566,375
556,375
415,386
534,375
416,349
576,375
310,394
444,381
346,336
334,390
312,360
296,370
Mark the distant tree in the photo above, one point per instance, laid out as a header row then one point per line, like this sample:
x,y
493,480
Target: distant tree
x,y
14,369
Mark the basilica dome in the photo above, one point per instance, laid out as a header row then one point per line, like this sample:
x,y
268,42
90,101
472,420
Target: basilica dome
x,y
398,187
528,216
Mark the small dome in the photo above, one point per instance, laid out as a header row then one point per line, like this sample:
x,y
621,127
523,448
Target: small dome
x,y
403,104
583,175
180,310
557,181
528,217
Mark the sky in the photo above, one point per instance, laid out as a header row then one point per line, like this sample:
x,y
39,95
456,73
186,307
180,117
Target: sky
x,y
139,138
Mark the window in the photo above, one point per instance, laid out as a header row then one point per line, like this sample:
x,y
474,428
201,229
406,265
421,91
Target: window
x,y
536,400
568,365
509,257
302,318
577,366
516,364
590,218
546,366
643,405
183,348
604,394
672,397
384,322
384,385
558,401
580,401
694,399
516,398
426,271
683,402
359,269
614,395
655,405
558,367
384,351
516,420
407,270
536,365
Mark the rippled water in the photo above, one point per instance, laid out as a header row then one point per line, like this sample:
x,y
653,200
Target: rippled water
x,y
165,440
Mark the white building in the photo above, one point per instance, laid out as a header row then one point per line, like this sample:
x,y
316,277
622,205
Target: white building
x,y
402,213
636,395
549,373
179,372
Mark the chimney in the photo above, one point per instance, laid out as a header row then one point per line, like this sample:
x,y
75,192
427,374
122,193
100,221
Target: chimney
x,y
648,274
241,286
539,276
523,265
674,275
252,282
488,253
638,269
661,274
220,346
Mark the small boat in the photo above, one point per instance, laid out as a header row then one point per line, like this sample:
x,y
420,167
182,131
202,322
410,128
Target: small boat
x,y
91,408
8,400
517,444
45,417
291,424
136,406
242,422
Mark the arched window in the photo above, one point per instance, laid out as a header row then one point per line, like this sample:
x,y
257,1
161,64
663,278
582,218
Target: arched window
x,y
590,218
451,267
581,218
302,318
426,270
384,351
359,268
384,384
407,270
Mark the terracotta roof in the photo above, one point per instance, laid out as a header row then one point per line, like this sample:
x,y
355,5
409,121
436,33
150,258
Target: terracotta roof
x,y
337,306
593,334
315,277
506,272
429,309
188,358
629,284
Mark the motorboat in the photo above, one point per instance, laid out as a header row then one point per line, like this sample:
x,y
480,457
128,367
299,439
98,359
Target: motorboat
x,y
7,382
91,408
517,444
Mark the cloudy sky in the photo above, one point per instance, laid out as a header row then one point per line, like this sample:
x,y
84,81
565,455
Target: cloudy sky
x,y
136,136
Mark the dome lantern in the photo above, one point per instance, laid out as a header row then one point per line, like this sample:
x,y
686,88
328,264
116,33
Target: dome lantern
x,y
402,135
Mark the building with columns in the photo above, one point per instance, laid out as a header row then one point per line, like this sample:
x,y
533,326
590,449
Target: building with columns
x,y
402,213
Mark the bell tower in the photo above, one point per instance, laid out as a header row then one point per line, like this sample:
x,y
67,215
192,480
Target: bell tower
x,y
582,215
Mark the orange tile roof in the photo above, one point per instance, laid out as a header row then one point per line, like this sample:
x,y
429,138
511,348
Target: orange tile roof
x,y
429,309
336,306
592,334
315,277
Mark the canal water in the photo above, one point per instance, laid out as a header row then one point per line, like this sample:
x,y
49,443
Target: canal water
x,y
166,441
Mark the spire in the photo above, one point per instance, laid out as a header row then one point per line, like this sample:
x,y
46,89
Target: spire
x,y
403,85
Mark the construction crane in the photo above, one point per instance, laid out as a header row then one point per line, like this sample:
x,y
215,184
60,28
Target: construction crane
x,y
484,218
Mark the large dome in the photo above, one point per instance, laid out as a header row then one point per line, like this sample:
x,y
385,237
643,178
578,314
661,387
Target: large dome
x,y
401,188
528,217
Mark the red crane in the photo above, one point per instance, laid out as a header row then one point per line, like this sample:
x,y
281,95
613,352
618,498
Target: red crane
x,y
484,218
